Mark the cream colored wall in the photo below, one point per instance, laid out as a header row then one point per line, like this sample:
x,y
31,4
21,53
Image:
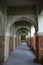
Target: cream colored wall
x,y
40,22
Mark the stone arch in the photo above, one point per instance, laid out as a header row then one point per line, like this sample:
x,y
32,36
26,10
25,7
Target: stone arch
x,y
23,31
25,27
20,18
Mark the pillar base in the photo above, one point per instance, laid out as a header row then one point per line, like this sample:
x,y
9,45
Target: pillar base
x,y
37,61
1,62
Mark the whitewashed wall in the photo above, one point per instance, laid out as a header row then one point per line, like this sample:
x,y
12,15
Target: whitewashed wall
x,y
32,31
40,22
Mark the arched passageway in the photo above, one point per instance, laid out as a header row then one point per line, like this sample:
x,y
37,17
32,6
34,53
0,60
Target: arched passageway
x,y
17,48
15,23
21,33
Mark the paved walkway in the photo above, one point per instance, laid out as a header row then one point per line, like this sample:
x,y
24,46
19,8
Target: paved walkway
x,y
22,56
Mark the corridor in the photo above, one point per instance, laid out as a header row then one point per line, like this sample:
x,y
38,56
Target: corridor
x,y
21,56
21,21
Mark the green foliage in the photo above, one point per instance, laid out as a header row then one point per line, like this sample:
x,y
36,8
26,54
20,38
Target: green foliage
x,y
22,37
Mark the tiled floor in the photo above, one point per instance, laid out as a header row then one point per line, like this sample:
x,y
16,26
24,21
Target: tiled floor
x,y
22,56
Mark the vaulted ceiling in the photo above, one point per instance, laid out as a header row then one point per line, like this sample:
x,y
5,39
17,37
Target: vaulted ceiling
x,y
25,4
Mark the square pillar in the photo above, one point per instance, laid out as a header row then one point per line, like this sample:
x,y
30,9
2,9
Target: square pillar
x,y
37,50
28,41
33,43
11,44
39,47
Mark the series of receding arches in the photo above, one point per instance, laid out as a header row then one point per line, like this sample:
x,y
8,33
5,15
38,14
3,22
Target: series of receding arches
x,y
20,29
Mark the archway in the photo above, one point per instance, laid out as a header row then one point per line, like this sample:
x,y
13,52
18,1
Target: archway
x,y
7,32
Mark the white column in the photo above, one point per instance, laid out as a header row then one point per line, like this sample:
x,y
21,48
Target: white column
x,y
32,35
32,31
6,46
